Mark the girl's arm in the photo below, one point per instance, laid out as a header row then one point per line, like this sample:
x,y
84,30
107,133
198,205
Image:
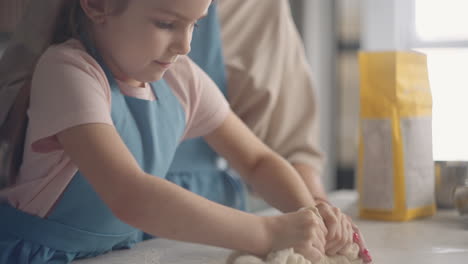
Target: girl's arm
x,y
155,205
269,174
312,180
275,179
164,209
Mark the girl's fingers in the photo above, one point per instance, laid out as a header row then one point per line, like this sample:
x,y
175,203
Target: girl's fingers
x,y
323,228
323,235
320,244
319,230
343,240
332,248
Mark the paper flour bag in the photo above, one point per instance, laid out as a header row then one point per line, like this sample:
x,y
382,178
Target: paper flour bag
x,y
395,166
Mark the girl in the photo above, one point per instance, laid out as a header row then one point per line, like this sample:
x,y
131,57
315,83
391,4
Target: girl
x,y
107,109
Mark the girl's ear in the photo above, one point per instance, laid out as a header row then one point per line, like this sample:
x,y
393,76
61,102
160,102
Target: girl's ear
x,y
96,10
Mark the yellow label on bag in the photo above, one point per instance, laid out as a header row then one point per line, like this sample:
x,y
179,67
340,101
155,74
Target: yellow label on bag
x,y
395,165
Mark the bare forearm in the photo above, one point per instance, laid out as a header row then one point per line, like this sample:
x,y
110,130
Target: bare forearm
x,y
166,210
312,180
276,181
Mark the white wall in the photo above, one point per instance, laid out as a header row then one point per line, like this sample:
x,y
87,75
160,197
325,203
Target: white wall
x,y
376,25
348,34
384,24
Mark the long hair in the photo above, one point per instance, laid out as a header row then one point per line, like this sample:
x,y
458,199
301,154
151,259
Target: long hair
x,y
69,22
12,137
60,21
72,19
13,128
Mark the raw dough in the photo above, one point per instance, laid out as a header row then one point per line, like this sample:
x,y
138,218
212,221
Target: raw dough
x,y
287,256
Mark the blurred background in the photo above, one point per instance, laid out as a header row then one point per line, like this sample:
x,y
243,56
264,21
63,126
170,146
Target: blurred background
x,y
334,31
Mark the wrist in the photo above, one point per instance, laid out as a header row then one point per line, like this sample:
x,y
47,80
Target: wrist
x,y
271,226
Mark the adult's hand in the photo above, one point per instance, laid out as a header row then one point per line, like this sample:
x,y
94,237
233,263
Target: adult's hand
x,y
364,253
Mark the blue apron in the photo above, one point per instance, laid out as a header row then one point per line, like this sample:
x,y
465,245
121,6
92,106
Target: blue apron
x,y
81,225
196,166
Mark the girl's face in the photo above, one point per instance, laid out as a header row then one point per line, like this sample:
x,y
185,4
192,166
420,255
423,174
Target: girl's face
x,y
142,42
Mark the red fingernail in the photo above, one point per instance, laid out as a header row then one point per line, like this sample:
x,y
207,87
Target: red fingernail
x,y
356,238
365,255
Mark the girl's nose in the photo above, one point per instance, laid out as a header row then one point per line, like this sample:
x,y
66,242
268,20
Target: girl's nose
x,y
181,44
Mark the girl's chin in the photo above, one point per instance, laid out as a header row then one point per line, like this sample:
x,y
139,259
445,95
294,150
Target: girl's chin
x,y
158,76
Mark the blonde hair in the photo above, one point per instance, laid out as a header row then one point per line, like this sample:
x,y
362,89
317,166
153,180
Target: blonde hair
x,y
72,19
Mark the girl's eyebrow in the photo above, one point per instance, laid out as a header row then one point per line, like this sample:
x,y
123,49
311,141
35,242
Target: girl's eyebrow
x,y
178,15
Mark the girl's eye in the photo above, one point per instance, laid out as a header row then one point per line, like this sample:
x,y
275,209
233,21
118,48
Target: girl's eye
x,y
164,25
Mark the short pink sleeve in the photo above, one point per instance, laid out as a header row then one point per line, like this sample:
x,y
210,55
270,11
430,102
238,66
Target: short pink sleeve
x,y
68,89
206,107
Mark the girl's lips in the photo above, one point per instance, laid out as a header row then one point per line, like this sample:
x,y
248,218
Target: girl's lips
x,y
164,64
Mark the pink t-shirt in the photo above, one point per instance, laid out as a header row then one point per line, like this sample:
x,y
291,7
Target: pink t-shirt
x,y
69,88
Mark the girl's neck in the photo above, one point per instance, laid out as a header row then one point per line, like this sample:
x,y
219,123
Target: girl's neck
x,y
133,83
118,74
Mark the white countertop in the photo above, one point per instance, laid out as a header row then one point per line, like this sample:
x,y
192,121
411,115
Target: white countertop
x,y
439,239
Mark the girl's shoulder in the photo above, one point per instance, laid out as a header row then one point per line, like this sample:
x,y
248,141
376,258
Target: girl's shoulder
x,y
71,52
72,56
67,49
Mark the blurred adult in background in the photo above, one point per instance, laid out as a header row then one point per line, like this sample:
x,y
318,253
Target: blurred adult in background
x,y
254,53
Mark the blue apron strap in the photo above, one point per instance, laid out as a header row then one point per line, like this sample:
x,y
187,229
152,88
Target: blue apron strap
x,y
207,50
91,49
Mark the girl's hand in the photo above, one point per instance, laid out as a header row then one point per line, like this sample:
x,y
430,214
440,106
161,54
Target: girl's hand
x,y
303,230
339,227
